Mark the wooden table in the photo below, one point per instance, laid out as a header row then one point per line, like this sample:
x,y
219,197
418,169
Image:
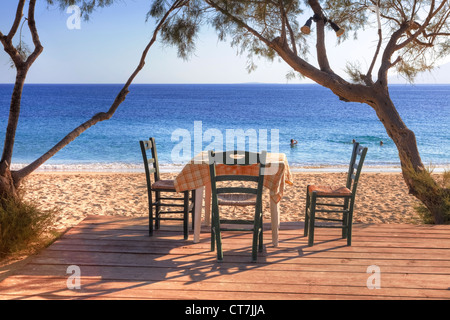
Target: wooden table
x,y
195,176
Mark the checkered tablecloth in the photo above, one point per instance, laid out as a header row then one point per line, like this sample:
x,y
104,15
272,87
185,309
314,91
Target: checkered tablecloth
x,y
195,174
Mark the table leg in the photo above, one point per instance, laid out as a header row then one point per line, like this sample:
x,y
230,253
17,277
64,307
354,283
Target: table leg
x,y
275,220
198,213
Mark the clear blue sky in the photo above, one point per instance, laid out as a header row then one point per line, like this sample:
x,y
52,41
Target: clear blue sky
x,y
107,48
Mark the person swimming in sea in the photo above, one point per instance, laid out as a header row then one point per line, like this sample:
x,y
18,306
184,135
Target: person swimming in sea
x,y
293,143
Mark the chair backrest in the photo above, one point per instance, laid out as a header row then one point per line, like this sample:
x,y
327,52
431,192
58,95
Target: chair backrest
x,y
238,158
356,163
150,159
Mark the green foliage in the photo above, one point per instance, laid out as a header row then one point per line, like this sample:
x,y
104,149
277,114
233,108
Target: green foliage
x,y
182,29
353,69
418,55
233,19
246,23
21,224
427,186
86,6
22,48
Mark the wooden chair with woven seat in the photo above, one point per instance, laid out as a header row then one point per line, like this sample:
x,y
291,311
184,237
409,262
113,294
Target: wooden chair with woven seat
x,y
341,200
230,195
160,187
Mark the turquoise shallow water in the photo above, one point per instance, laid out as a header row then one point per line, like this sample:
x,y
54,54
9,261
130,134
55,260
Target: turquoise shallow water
x,y
186,118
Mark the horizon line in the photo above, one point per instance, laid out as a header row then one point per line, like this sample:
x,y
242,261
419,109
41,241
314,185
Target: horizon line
x,y
198,83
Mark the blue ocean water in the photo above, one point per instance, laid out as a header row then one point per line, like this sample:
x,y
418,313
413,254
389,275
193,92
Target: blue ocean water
x,y
323,125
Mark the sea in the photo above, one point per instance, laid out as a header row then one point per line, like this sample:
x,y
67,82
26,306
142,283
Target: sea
x,y
187,118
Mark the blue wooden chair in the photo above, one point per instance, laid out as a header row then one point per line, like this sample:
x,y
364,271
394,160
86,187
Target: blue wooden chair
x,y
342,200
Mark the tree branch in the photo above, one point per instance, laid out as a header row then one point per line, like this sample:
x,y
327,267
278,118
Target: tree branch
x,y
389,50
368,77
239,22
289,28
322,57
102,116
34,34
6,41
283,21
392,45
422,28
16,23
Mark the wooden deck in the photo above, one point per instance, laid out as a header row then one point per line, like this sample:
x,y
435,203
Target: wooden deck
x,y
117,260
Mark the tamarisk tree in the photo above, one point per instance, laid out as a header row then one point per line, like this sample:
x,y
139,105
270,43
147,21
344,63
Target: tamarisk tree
x,y
412,36
23,58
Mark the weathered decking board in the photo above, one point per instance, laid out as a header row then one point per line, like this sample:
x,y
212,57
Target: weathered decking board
x,y
118,260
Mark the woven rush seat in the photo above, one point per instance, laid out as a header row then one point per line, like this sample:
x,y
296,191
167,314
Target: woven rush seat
x,y
329,190
231,199
163,185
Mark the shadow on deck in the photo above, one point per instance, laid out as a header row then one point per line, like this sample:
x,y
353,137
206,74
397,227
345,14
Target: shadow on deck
x,y
117,260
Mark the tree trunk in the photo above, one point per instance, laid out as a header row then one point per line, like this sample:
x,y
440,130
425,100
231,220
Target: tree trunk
x,y
417,178
9,185
8,182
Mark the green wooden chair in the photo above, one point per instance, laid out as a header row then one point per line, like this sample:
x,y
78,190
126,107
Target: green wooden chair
x,y
340,200
250,194
161,187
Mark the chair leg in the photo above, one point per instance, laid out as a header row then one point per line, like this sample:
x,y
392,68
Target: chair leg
x,y
257,236
261,243
345,218
305,229
312,216
150,214
345,225
213,231
186,215
213,239
349,227
157,208
255,245
216,237
219,245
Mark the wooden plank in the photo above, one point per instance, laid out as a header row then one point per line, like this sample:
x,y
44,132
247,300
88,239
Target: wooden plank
x,y
239,241
218,273
175,234
119,261
156,289
303,264
142,221
272,252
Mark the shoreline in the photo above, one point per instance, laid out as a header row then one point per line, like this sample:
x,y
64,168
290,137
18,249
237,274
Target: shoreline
x,y
165,168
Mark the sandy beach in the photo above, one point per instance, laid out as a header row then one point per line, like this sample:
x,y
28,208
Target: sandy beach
x,y
381,197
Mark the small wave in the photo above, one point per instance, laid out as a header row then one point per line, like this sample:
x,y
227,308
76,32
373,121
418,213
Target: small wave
x,y
98,167
174,168
87,167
